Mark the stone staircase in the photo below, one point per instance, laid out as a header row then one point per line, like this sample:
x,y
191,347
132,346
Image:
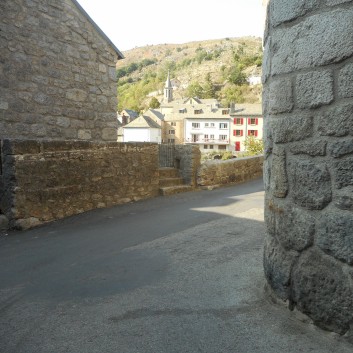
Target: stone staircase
x,y
170,182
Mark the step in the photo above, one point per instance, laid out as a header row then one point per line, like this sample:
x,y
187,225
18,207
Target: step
x,y
171,190
168,173
170,182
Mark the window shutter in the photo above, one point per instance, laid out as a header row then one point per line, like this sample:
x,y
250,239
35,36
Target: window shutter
x,y
256,132
241,132
249,121
257,121
235,121
249,134
234,132
242,121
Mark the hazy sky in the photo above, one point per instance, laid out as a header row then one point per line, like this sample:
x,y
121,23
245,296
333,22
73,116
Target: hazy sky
x,y
136,23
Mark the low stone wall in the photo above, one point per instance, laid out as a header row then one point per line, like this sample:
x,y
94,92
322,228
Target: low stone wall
x,y
188,158
233,171
49,180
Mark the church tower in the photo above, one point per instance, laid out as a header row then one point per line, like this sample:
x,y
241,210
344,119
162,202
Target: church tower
x,y
168,90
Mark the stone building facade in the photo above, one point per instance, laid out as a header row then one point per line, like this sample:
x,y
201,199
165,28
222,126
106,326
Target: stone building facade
x,y
308,169
57,73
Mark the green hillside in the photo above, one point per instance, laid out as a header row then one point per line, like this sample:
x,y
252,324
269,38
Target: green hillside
x,y
206,69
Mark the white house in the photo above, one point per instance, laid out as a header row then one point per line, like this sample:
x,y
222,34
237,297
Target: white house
x,y
209,133
142,129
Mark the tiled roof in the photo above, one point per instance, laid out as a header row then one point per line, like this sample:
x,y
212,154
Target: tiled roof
x,y
247,109
143,122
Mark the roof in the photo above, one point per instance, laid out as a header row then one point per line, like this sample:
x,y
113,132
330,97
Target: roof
x,y
143,122
247,109
102,34
156,113
131,113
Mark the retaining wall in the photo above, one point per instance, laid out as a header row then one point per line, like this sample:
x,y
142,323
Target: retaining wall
x,y
232,171
308,91
48,180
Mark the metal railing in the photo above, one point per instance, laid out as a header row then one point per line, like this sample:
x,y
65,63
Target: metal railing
x,y
166,155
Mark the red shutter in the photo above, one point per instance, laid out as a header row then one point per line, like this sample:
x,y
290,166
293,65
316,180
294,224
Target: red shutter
x,y
256,132
249,121
257,121
242,121
249,134
234,132
234,121
241,132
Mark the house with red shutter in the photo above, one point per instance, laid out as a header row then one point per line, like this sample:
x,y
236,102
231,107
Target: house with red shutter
x,y
246,120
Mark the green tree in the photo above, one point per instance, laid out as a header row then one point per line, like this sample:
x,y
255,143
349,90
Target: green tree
x,y
253,146
195,90
208,88
236,75
154,103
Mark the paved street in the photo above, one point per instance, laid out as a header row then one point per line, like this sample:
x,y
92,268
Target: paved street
x,y
173,274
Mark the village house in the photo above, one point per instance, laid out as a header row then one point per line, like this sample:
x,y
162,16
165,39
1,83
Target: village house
x,y
142,129
58,73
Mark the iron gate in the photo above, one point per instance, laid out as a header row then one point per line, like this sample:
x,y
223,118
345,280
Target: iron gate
x,y
166,155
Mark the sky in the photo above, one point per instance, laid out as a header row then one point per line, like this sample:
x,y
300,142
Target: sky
x,y
136,23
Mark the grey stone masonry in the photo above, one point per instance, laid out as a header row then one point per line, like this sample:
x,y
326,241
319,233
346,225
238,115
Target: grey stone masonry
x,y
308,171
57,73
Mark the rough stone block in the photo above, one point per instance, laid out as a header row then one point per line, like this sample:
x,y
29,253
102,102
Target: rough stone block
x,y
291,128
336,2
334,235
287,10
280,98
77,95
314,89
337,121
343,173
317,40
4,222
279,180
345,79
310,184
323,291
278,265
312,148
84,134
341,148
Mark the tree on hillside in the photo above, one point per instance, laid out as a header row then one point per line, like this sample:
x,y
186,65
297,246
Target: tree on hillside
x,y
253,146
208,88
195,90
154,103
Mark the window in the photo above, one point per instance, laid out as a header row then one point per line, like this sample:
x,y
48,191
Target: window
x,y
206,137
225,111
237,146
171,141
194,137
205,147
195,125
212,124
182,111
223,137
222,147
198,111
206,124
173,124
223,125
211,147
212,137
171,132
238,121
253,121
238,132
252,133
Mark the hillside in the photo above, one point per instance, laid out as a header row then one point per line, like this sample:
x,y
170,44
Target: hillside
x,y
208,69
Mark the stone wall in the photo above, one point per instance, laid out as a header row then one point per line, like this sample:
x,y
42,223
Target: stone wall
x,y
49,180
232,171
308,91
188,159
57,73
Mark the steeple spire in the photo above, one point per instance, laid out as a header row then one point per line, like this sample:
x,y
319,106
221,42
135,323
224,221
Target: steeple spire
x,y
168,89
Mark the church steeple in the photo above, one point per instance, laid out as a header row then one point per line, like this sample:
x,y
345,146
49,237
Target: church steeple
x,y
168,89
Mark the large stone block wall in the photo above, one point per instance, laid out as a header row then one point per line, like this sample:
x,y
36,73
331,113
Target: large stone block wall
x,y
233,171
308,168
48,180
188,159
57,74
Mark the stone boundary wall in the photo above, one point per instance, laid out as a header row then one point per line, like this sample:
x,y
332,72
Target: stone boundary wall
x,y
229,172
308,169
57,74
188,160
48,180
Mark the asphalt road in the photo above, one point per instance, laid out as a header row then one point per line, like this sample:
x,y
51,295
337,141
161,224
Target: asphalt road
x,y
179,274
